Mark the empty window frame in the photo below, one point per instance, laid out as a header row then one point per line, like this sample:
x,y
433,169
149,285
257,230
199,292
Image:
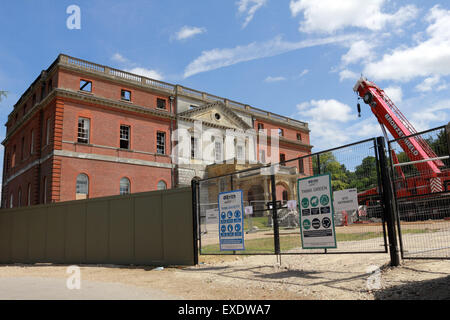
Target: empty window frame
x,y
19,198
161,185
281,132
11,200
161,103
22,149
43,91
124,186
83,130
282,158
82,187
85,85
299,137
260,126
125,95
124,137
301,166
161,142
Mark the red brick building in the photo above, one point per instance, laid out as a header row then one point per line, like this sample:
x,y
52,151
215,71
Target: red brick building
x,y
87,130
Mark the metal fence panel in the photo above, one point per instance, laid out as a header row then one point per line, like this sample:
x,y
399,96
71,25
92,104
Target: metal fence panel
x,y
351,166
422,191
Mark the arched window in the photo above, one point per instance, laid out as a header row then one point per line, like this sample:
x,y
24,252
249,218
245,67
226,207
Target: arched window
x,y
82,188
124,186
161,185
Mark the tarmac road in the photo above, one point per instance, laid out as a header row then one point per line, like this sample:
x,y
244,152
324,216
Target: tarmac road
x,y
35,288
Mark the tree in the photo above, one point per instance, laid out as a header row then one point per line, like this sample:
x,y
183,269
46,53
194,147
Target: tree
x,y
329,164
365,176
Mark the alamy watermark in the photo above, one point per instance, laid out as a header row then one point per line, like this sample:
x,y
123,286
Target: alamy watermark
x,y
74,19
373,282
74,280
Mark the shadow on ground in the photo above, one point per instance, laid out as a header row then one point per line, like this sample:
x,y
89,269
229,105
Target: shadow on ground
x,y
436,289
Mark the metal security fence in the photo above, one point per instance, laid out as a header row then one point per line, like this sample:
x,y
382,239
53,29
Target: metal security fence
x,y
421,180
273,226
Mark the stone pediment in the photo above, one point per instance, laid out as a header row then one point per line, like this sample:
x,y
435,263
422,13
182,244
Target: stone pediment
x,y
216,114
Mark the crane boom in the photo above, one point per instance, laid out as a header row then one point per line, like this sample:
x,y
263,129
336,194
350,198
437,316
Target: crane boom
x,y
390,116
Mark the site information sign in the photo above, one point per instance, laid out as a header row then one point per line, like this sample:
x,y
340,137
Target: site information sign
x,y
316,212
231,221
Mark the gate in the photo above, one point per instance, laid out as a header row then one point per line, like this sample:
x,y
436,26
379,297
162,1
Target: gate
x,y
273,226
422,194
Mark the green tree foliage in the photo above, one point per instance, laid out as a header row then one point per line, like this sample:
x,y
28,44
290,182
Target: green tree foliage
x,y
363,178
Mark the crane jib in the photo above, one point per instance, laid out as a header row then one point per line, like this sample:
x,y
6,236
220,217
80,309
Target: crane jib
x,y
401,134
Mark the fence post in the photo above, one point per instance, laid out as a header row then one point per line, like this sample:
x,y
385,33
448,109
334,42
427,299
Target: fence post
x,y
388,197
194,185
276,234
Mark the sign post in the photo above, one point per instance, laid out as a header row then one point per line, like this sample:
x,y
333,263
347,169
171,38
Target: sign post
x,y
316,212
231,221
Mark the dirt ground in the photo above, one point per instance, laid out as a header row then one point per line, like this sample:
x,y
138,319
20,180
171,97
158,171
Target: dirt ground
x,y
348,277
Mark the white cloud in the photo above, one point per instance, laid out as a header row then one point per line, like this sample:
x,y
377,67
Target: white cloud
x,y
274,79
329,16
187,32
326,110
347,74
430,117
153,74
359,51
119,58
426,58
431,83
395,93
219,58
249,7
303,73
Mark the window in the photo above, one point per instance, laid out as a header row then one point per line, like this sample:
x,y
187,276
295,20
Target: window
x,y
124,137
161,185
50,86
260,126
161,143
301,167
29,195
125,95
262,156
124,186
160,103
299,137
22,149
24,109
82,187
33,100
43,91
282,158
47,137
194,146
11,199
83,130
32,142
280,132
85,86
13,158
240,152
218,151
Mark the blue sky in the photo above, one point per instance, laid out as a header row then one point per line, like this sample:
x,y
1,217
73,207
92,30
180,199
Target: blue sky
x,y
298,58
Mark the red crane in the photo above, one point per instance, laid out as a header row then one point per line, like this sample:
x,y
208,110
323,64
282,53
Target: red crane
x,y
420,154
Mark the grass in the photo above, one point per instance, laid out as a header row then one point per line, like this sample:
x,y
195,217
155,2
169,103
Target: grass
x,y
291,241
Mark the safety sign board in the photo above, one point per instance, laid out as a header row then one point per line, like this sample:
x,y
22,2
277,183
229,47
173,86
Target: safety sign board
x,y
316,212
231,221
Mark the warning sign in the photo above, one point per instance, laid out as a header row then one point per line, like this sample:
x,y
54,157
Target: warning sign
x,y
231,223
316,214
